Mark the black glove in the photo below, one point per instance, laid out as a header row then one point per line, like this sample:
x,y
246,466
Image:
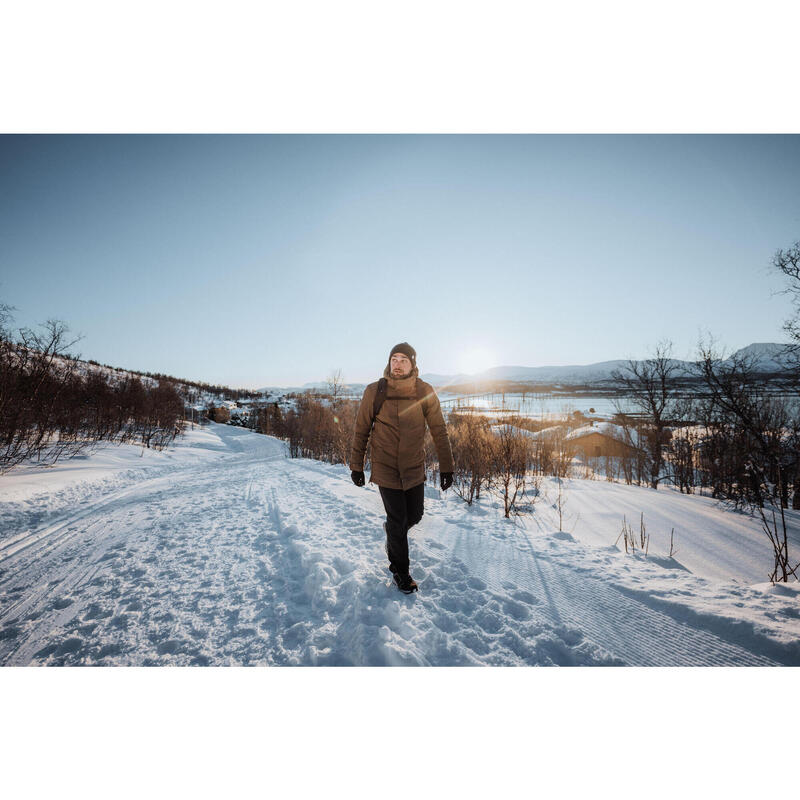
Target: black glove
x,y
358,477
447,480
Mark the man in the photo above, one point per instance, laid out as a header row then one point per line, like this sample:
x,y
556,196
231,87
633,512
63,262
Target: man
x,y
404,403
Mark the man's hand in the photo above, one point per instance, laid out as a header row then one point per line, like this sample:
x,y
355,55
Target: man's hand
x,y
447,480
358,477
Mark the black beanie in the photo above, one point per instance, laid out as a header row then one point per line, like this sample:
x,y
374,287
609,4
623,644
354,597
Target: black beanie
x,y
407,350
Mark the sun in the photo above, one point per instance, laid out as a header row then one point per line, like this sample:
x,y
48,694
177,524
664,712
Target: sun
x,y
476,359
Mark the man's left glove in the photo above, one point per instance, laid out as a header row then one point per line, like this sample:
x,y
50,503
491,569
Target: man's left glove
x,y
447,480
358,477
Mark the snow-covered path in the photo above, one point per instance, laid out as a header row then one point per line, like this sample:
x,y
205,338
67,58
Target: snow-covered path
x,y
248,557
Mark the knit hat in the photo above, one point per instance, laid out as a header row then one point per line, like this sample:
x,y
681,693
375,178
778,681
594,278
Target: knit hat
x,y
407,350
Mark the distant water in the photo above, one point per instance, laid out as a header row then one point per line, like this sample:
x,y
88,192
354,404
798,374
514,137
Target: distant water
x,y
549,406
537,406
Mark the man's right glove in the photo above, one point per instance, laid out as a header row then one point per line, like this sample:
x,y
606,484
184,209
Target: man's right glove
x,y
358,477
447,480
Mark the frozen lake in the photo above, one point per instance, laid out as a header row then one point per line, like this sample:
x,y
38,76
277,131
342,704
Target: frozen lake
x,y
539,406
550,406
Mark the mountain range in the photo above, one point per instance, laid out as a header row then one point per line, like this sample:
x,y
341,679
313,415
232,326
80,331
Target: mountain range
x,y
766,357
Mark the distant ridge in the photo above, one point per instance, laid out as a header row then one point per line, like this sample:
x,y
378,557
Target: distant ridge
x,y
765,356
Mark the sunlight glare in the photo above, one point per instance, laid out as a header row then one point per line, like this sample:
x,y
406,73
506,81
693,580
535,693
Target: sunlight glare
x,y
475,360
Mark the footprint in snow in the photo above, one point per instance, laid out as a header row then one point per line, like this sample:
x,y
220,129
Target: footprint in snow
x,y
516,610
96,611
525,597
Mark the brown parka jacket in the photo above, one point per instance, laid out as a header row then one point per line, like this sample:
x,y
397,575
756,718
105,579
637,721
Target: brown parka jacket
x,y
398,438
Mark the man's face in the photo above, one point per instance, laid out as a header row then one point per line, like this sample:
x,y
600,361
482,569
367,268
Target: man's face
x,y
400,364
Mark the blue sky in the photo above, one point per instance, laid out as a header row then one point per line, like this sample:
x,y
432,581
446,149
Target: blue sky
x,y
273,260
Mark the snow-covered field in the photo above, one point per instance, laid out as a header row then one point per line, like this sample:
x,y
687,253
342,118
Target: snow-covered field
x,y
222,551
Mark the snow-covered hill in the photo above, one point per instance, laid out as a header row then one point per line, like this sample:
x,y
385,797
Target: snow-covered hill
x,y
221,550
195,395
766,356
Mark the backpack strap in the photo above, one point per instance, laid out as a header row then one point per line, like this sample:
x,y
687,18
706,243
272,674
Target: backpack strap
x,y
421,394
380,396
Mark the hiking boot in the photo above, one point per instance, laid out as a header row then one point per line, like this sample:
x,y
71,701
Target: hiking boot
x,y
405,583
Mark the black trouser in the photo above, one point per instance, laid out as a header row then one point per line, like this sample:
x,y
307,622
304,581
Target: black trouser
x,y
404,508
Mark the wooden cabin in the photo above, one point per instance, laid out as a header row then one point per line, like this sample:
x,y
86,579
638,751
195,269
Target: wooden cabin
x,y
600,440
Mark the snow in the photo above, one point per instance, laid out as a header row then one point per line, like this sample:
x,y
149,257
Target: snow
x,y
223,551
608,429
712,540
544,433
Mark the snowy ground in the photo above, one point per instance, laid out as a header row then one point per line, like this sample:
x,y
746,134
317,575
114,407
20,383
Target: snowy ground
x,y
223,551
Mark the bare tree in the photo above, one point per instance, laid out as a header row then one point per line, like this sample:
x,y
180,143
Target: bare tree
x,y
51,407
779,539
551,454
765,424
651,388
36,374
787,262
682,447
335,384
343,418
510,474
760,443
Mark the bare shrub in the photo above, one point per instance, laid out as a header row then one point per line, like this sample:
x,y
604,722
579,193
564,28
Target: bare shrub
x,y
510,459
560,503
52,407
550,453
630,538
470,441
35,375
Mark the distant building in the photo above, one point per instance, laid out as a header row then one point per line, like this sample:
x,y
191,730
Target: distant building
x,y
601,440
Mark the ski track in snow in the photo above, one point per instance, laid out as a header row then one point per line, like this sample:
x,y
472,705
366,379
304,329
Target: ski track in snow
x,y
256,559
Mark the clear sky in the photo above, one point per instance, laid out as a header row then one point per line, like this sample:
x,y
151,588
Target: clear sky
x,y
273,260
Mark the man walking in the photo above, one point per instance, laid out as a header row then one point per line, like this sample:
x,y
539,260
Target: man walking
x,y
395,410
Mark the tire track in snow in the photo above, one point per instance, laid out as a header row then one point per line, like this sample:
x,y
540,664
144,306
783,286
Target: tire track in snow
x,y
627,626
39,542
52,579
